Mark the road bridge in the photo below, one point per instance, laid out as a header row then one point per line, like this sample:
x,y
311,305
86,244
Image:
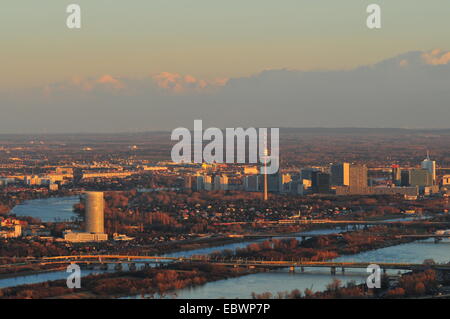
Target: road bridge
x,y
305,236
287,235
229,262
335,222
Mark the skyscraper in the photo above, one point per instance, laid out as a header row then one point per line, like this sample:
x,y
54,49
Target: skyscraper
x,y
417,177
405,178
251,183
94,212
420,177
221,182
340,174
430,166
396,175
306,173
320,182
358,177
94,221
274,182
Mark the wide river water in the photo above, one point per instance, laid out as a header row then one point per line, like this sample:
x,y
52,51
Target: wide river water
x,y
49,209
242,287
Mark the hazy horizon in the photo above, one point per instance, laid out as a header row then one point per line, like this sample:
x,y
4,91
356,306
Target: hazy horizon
x,y
283,130
153,66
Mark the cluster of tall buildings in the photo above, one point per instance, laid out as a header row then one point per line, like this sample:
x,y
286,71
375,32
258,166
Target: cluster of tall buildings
x,y
341,179
254,182
338,178
424,178
352,179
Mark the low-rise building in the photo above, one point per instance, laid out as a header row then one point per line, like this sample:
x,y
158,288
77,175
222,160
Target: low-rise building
x,y
13,231
83,237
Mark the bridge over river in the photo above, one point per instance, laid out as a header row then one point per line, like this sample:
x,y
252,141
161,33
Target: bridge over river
x,y
303,236
336,222
92,260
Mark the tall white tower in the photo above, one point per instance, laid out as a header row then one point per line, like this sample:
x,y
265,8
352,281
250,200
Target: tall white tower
x,y
430,166
266,191
94,213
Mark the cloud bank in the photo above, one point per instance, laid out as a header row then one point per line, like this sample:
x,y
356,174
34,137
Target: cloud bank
x,y
409,90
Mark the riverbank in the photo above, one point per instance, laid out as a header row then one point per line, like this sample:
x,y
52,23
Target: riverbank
x,y
109,278
425,284
162,282
324,247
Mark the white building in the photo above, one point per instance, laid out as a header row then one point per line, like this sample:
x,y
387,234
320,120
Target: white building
x,y
430,166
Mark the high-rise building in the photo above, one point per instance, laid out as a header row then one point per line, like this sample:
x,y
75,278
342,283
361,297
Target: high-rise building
x,y
297,187
94,221
199,183
358,177
285,183
420,177
430,166
320,182
221,182
396,175
274,182
208,182
340,174
405,178
306,173
95,212
235,183
416,177
189,182
251,183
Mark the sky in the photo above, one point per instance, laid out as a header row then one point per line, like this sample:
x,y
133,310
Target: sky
x,y
152,65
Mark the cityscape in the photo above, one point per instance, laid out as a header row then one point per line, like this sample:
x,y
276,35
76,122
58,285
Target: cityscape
x,y
142,226
224,158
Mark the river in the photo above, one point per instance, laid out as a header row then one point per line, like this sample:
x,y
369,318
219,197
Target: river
x,y
317,280
242,287
52,209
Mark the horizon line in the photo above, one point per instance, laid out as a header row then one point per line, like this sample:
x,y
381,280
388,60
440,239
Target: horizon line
x,y
280,127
